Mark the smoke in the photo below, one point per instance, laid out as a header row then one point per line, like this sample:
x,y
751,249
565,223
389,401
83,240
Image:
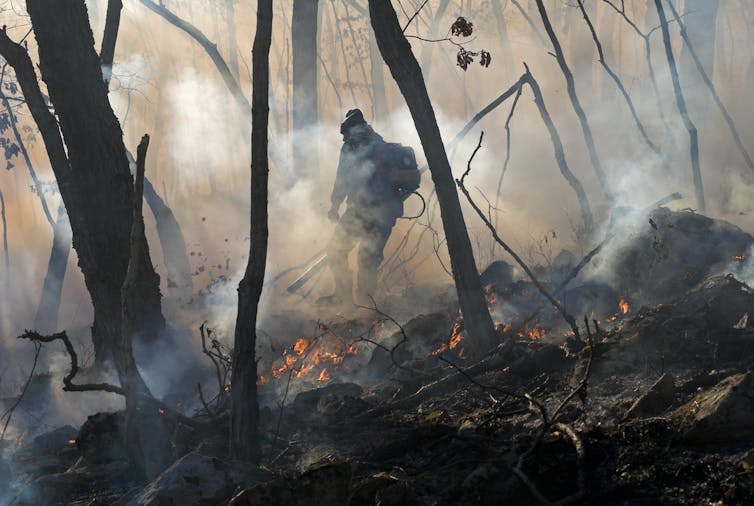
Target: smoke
x,y
164,84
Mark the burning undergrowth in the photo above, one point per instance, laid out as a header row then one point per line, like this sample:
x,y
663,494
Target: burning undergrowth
x,y
649,403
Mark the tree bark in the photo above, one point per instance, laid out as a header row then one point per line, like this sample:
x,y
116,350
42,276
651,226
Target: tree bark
x,y
97,187
398,56
244,410
304,48
696,171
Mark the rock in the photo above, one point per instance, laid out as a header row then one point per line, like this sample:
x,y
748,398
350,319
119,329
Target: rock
x,y
425,333
673,251
192,480
497,277
723,413
658,398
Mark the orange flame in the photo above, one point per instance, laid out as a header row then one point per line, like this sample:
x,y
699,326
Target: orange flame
x,y
323,376
71,441
623,306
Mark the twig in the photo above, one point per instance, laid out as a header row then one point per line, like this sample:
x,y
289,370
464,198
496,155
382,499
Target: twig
x,y
414,16
460,182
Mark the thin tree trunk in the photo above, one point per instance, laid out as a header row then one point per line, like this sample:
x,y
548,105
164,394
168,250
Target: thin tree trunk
x,y
173,244
557,144
571,86
304,37
46,319
696,170
398,56
244,409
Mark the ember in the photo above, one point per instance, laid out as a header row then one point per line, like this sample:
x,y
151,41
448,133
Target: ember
x,y
71,441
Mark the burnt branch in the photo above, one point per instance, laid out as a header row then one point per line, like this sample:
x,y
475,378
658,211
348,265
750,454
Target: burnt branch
x,y
68,384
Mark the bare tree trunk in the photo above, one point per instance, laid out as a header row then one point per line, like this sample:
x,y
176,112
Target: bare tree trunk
x,y
696,170
173,244
571,86
98,189
398,56
304,36
244,410
46,319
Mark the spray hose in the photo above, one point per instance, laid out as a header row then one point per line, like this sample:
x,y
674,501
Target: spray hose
x,y
424,207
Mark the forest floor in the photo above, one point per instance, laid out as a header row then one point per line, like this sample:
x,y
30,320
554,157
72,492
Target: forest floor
x,y
652,402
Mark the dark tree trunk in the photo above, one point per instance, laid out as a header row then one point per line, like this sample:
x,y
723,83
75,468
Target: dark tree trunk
x,y
398,56
244,410
98,191
46,319
304,35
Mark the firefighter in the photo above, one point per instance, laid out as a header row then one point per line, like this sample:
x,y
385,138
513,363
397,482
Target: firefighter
x,y
372,209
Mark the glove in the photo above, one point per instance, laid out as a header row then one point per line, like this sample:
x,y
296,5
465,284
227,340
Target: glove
x,y
333,215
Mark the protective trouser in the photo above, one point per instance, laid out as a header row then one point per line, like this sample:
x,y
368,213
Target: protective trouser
x,y
370,230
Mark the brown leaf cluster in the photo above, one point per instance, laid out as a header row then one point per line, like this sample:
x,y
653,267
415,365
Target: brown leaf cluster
x,y
462,27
